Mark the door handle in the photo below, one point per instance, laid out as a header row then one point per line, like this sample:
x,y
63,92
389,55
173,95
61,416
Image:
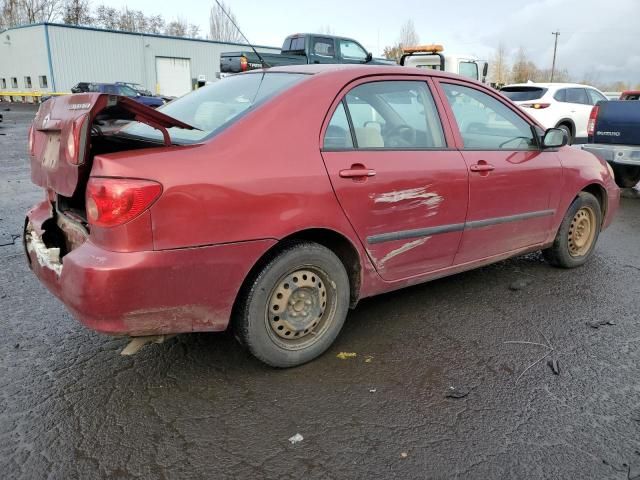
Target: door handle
x,y
482,167
357,171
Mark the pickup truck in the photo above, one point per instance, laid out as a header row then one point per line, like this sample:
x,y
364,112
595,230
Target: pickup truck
x,y
614,135
298,49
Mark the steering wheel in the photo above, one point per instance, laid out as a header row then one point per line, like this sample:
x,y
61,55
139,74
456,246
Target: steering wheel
x,y
401,136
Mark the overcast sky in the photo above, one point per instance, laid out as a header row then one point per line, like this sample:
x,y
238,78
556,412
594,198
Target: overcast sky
x,y
598,39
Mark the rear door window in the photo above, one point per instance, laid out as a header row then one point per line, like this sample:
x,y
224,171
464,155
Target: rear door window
x,y
323,47
523,94
577,95
486,123
394,115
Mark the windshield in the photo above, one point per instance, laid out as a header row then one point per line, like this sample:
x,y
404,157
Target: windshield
x,y
214,107
519,94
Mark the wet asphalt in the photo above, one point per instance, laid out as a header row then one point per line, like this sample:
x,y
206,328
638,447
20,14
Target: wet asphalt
x,y
439,387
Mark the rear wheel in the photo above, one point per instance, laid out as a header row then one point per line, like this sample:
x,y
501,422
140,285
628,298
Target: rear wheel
x,y
578,233
295,306
567,129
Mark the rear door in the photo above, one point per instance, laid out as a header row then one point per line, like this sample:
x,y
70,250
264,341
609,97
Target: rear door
x,y
513,186
580,104
401,186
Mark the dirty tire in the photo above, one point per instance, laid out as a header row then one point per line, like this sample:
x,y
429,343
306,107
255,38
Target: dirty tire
x,y
293,308
574,244
626,176
567,130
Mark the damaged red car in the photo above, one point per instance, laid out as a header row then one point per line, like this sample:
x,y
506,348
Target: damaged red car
x,y
271,202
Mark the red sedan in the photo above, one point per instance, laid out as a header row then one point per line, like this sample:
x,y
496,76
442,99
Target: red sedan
x,y
272,201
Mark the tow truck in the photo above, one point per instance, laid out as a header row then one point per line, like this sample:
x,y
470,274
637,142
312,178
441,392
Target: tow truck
x,y
432,56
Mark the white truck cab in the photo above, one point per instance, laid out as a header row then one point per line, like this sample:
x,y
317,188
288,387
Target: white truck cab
x,y
432,56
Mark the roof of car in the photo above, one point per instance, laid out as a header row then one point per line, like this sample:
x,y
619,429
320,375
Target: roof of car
x,y
313,69
547,85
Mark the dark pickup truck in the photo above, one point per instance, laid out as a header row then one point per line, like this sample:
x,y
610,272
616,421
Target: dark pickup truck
x,y
614,136
299,49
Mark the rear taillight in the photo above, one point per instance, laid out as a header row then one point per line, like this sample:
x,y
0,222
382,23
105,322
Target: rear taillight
x,y
113,201
76,136
536,106
243,64
32,134
591,126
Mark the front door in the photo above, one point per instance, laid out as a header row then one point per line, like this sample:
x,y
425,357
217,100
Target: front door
x,y
402,189
514,186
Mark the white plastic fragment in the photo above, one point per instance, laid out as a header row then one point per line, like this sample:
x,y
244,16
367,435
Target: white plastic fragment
x,y
296,439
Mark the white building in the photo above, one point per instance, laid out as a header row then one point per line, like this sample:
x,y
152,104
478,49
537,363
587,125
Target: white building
x,y
50,57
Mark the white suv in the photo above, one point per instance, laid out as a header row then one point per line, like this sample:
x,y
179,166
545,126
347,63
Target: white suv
x,y
563,105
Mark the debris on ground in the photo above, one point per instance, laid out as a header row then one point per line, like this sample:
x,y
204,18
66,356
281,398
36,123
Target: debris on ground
x,y
520,284
599,323
17,345
373,390
457,392
404,455
297,438
554,366
346,355
368,359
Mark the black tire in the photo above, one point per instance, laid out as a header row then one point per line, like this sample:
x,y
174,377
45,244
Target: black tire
x,y
568,249
567,129
270,300
626,176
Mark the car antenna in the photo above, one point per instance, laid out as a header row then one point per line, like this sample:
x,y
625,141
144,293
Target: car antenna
x,y
264,64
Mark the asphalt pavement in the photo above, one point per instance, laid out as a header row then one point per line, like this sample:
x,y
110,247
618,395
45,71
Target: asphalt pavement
x,y
450,378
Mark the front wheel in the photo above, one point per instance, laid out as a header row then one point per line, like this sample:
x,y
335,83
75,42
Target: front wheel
x,y
292,310
578,233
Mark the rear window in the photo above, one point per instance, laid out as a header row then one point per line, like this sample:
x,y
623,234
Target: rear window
x,y
523,94
214,107
293,44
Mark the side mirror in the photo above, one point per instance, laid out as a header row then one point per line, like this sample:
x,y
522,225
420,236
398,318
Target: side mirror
x,y
554,138
485,70
369,57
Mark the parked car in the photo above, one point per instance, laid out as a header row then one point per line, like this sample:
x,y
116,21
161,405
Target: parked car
x,y
137,87
299,49
614,136
630,95
197,217
80,87
126,91
563,105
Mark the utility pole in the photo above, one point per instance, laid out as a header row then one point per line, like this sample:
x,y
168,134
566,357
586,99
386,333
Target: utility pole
x,y
555,49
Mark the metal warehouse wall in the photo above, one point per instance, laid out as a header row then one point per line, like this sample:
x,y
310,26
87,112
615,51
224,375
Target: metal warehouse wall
x,y
80,54
23,52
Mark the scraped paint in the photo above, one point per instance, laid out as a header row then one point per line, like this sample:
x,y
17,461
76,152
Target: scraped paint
x,y
425,197
403,249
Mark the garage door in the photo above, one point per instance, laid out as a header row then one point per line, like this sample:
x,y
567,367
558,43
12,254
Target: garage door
x,y
173,75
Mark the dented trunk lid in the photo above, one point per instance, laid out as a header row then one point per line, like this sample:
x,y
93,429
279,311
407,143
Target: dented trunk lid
x,y
57,167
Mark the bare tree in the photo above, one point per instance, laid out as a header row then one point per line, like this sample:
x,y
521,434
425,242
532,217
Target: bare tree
x,y
325,30
392,53
107,17
177,28
408,35
11,13
34,11
523,69
77,12
499,66
220,26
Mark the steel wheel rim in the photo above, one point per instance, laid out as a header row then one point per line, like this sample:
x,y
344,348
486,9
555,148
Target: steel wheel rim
x,y
582,231
301,308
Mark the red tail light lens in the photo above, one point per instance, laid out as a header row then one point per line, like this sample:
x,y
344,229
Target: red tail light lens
x,y
76,138
114,201
591,126
243,64
536,106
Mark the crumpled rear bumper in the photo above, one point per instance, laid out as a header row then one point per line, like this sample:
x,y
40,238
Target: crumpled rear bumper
x,y
146,292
